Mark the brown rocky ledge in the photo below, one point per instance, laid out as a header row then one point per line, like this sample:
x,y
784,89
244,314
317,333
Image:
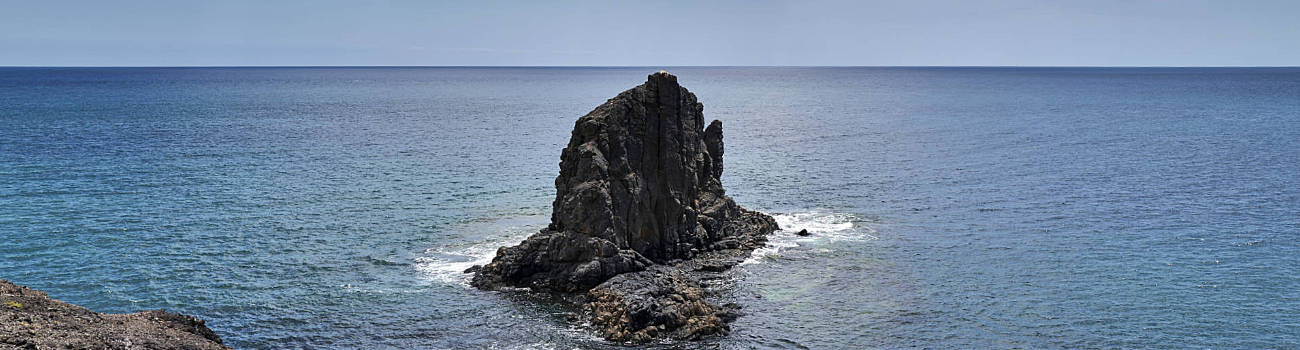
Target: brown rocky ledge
x,y
639,217
29,319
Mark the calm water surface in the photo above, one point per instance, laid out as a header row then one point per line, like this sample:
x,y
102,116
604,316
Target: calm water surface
x,y
950,207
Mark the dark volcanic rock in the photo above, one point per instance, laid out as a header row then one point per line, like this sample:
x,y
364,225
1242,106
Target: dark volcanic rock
x,y
560,261
659,302
803,232
639,184
639,189
29,319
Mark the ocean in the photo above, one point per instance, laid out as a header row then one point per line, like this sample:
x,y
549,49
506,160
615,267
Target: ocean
x,y
950,208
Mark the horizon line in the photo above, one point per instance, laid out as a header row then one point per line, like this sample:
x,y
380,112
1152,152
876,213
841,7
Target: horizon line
x,y
628,66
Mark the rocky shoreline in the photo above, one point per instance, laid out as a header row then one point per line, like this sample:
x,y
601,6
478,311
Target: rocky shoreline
x,y
30,319
640,218
641,230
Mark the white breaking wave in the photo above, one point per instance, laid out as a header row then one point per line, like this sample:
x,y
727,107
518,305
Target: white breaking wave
x,y
823,227
448,264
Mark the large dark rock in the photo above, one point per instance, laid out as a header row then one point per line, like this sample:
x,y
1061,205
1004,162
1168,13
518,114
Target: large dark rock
x,y
639,184
639,188
29,319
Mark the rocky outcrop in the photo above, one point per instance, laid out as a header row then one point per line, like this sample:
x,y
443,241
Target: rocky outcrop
x,y
29,319
642,305
640,197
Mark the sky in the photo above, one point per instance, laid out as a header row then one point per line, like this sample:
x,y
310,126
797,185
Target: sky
x,y
650,33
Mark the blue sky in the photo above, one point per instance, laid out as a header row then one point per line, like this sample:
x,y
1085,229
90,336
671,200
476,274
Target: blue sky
x,y
651,33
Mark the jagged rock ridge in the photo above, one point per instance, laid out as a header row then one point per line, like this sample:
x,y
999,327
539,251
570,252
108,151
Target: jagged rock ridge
x,y
639,187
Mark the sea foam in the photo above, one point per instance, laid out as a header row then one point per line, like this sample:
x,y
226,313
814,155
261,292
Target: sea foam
x,y
447,264
823,227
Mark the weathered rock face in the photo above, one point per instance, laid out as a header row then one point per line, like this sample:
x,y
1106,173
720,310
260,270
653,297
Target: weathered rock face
x,y
639,184
639,212
634,169
643,305
29,319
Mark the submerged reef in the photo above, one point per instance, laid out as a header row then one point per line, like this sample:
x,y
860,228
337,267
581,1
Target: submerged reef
x,y
29,319
639,217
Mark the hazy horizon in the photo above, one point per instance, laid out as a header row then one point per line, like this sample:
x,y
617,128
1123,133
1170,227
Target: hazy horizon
x,y
588,33
611,66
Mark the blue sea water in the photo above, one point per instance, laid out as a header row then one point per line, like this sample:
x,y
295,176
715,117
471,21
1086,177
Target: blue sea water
x,y
318,208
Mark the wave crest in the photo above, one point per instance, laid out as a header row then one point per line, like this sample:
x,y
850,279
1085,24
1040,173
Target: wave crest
x,y
824,228
448,263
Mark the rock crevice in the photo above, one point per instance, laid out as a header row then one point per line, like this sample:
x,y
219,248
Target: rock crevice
x,y
639,189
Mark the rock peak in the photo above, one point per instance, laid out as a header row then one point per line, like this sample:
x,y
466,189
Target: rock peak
x,y
665,86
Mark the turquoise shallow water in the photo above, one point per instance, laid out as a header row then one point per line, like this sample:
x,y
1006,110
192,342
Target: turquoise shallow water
x,y
950,207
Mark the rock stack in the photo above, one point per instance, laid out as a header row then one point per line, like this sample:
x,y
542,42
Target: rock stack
x,y
639,208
